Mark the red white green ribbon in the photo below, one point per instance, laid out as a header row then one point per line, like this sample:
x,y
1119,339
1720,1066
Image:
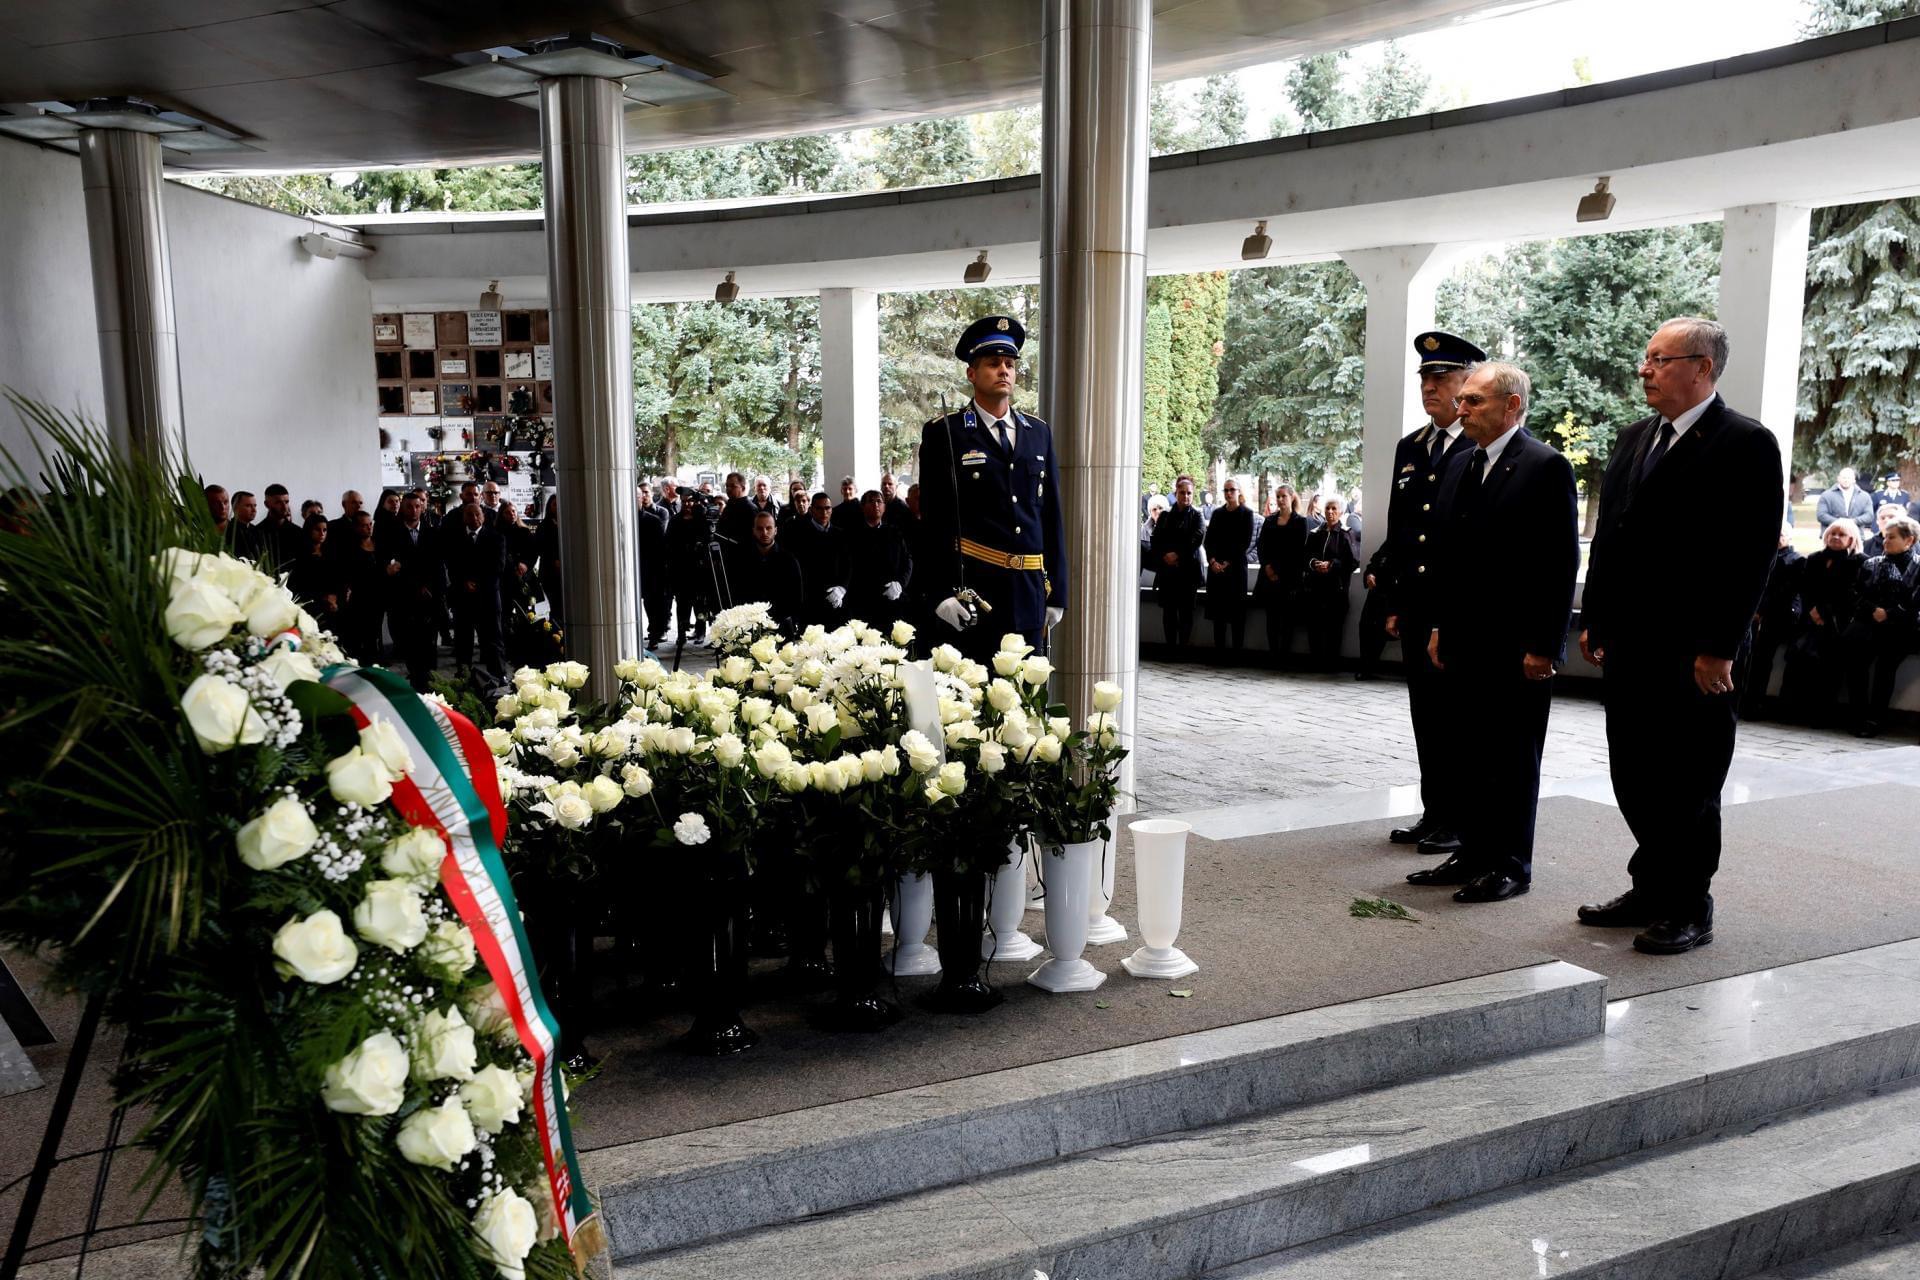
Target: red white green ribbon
x,y
453,789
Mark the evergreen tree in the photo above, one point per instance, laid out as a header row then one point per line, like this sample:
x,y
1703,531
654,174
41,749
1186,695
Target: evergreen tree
x,y
1197,307
1393,88
1860,348
1825,17
1220,113
1007,143
1316,88
1157,470
922,154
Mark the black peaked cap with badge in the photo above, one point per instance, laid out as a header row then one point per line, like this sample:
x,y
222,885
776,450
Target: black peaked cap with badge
x,y
1444,352
990,335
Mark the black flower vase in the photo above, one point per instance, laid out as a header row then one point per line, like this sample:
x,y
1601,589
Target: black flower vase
x,y
959,908
853,914
806,968
717,971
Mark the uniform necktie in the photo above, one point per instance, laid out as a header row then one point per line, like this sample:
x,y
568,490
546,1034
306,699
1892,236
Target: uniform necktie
x,y
1659,449
1006,435
1439,446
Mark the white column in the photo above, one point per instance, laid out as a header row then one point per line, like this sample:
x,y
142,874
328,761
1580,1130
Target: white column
x,y
850,388
1400,282
1763,283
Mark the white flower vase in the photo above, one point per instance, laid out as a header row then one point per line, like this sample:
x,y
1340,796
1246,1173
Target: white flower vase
x,y
1159,884
912,911
1006,903
1036,892
1101,927
1065,872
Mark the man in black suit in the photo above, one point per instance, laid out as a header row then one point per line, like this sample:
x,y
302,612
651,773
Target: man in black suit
x,y
656,589
1508,547
416,584
736,518
763,572
341,535
825,570
475,557
1398,569
846,514
882,566
1174,557
1666,620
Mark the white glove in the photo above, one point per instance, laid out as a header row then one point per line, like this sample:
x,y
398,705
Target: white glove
x,y
836,596
891,591
1054,614
951,612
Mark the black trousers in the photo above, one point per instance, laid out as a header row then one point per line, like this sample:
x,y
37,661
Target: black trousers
x,y
477,614
1433,725
1283,616
1176,611
416,639
1873,652
658,603
1815,667
1326,626
1669,746
1500,723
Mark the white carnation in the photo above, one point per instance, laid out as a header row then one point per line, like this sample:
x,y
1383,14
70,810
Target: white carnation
x,y
691,829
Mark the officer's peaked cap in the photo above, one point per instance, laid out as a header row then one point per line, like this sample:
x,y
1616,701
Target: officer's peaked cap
x,y
991,335
1443,352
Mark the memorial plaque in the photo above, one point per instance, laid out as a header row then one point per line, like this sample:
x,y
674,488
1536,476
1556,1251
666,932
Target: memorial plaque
x,y
483,328
456,397
519,364
386,333
543,362
419,330
420,400
453,368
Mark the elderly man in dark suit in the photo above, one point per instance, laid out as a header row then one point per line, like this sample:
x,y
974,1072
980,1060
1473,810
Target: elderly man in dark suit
x,y
1508,547
1666,620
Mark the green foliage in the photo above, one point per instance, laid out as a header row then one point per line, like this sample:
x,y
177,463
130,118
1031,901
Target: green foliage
x,y
1157,469
1826,17
1314,88
1380,909
918,372
1197,308
737,385
1006,144
923,153
1395,87
1860,348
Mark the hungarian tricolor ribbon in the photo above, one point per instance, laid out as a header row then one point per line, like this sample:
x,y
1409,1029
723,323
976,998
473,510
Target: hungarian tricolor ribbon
x,y
454,789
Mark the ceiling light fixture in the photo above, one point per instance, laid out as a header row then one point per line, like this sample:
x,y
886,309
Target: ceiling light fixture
x,y
320,244
490,297
1596,206
726,291
978,270
514,72
1255,246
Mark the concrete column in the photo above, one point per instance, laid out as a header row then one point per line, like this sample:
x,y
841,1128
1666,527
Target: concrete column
x,y
1097,66
850,388
1400,282
1763,283
133,290
581,135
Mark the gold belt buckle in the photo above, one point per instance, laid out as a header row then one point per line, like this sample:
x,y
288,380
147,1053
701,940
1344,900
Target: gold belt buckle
x,y
1015,560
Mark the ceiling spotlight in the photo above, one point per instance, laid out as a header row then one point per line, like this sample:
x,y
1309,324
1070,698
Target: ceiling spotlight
x,y
318,244
490,298
1597,206
726,291
978,270
1255,246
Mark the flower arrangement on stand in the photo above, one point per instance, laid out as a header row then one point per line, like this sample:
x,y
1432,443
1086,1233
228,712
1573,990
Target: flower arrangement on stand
x,y
273,870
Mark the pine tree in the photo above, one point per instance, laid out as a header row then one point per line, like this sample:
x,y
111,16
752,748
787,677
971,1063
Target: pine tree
x,y
1156,459
1197,307
923,153
1825,17
1315,87
1220,113
1395,87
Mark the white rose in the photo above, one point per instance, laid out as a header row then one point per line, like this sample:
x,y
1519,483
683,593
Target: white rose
x,y
1015,733
755,712
770,758
889,761
572,810
1060,727
822,718
636,781
370,1081
358,778
973,673
383,742
178,566
794,778
800,697
764,650
391,916
443,1047
947,658
1102,728
1002,696
568,675
691,829
562,752
317,948
437,1136
784,722
681,740
650,675
782,684
272,611
852,772
1007,664
221,715
811,672
602,793
953,777
902,633
761,682
729,751
961,731
993,757
507,1227
736,669
933,793
826,777
1015,643
922,757
1106,696
1048,749
499,741
287,666
556,701
627,669
417,855
200,614
278,836
1035,671
492,1098
449,946
871,767
487,1014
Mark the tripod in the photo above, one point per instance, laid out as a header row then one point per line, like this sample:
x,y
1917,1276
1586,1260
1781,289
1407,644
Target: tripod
x,y
712,590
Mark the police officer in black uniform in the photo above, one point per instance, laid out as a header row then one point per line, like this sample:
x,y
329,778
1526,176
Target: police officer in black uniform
x,y
1399,568
990,496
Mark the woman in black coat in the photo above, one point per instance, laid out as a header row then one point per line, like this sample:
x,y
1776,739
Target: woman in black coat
x,y
365,578
1810,686
315,578
1283,558
1331,560
1229,535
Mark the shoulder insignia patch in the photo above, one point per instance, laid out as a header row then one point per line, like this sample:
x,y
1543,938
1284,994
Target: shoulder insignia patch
x,y
1406,468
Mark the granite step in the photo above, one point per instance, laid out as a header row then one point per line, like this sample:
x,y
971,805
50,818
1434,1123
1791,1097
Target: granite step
x,y
1671,1066
1890,1255
680,1190
1731,1205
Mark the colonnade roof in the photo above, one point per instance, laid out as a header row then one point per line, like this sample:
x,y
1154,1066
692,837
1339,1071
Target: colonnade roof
x,y
336,84
1823,122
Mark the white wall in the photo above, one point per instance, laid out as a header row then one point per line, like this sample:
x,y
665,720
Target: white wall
x,y
276,348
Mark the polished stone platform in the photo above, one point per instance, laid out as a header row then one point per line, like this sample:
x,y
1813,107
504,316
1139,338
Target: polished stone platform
x,y
1890,1255
1708,1066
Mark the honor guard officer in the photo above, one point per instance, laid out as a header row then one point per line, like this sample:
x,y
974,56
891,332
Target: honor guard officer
x,y
990,500
1400,566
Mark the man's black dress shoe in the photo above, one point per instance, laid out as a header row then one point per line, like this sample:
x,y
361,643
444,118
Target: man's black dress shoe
x,y
1627,909
1671,937
1441,841
1494,886
1452,871
1414,834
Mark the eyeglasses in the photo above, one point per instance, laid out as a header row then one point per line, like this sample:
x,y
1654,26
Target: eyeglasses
x,y
1660,360
1470,401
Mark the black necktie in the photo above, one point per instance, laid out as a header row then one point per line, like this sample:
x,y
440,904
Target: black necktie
x,y
1439,445
1470,482
1658,451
